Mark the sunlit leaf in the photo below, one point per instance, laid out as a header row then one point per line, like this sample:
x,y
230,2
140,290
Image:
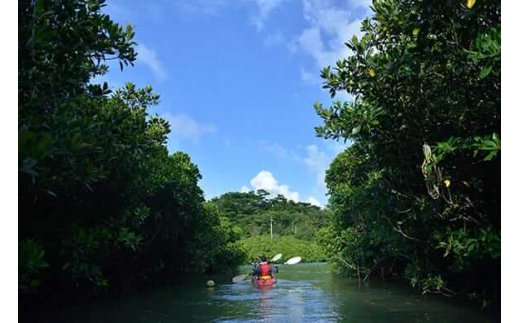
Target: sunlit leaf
x,y
484,71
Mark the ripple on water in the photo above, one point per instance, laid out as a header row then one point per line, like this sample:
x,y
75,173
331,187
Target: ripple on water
x,y
304,293
289,301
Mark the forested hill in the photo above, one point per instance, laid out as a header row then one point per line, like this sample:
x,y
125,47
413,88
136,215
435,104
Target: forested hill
x,y
252,212
295,225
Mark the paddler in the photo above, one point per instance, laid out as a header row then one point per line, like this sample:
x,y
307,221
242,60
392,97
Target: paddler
x,y
262,269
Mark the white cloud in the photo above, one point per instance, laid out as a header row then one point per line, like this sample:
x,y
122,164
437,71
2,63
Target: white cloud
x,y
307,76
314,201
361,3
197,7
337,147
274,149
184,127
329,27
100,79
265,180
149,57
262,9
318,162
265,8
315,159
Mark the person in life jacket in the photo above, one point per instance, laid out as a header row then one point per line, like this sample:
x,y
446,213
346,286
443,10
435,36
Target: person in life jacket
x,y
262,269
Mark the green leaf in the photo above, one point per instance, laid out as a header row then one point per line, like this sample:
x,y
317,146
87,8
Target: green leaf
x,y
484,71
355,40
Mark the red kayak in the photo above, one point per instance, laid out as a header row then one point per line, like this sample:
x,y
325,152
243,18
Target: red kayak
x,y
263,281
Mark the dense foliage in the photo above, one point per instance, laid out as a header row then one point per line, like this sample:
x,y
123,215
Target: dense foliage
x,y
288,246
417,194
102,205
295,225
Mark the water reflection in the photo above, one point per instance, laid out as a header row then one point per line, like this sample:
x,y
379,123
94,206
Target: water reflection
x,y
304,293
265,300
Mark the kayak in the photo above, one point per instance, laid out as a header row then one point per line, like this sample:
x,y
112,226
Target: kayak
x,y
263,281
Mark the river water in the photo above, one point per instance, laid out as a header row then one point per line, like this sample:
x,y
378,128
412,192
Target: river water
x,y
304,293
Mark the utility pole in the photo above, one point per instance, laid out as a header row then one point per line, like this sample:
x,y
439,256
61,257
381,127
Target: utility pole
x,y
271,228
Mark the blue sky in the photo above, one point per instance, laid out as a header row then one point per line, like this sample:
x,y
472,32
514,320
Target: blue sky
x,y
237,80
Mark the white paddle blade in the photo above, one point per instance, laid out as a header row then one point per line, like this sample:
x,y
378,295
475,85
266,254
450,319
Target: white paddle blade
x,y
239,278
277,257
293,260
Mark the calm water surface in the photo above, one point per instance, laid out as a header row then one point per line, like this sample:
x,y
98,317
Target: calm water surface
x,y
304,293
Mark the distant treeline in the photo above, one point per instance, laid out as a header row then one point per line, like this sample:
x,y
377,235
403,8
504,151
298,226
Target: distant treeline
x,y
295,225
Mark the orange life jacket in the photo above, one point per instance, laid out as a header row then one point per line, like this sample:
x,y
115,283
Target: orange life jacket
x,y
264,269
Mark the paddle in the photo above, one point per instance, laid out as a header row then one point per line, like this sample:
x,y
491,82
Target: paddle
x,y
239,278
291,261
276,257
